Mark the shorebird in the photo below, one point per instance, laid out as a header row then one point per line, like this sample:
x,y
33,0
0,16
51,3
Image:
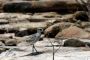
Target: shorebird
x,y
32,39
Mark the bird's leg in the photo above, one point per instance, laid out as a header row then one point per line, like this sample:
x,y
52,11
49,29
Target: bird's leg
x,y
35,48
9,52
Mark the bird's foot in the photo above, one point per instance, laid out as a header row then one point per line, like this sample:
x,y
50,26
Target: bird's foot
x,y
35,53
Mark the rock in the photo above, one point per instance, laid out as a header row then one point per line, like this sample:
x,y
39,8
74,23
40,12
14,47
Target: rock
x,y
42,37
68,18
30,28
15,17
88,7
85,24
75,17
19,39
7,58
45,16
8,28
4,37
87,29
16,27
43,6
74,43
23,44
2,49
2,21
11,42
1,43
50,15
54,29
81,15
2,31
1,5
30,25
87,44
22,33
73,32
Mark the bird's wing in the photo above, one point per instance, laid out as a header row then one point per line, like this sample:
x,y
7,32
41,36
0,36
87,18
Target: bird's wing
x,y
30,38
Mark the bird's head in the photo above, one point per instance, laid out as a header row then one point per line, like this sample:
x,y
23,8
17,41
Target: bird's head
x,y
39,29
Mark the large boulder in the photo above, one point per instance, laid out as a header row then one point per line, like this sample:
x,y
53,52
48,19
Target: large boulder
x,y
73,32
74,43
54,29
43,6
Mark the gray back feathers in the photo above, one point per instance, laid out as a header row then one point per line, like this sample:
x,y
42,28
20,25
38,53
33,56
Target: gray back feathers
x,y
34,37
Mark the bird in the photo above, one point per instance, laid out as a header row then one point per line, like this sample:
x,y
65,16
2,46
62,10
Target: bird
x,y
32,39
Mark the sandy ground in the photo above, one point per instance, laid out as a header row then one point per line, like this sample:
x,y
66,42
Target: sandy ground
x,y
64,53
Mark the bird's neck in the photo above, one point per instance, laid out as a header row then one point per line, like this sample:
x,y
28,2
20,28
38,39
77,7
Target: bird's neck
x,y
38,31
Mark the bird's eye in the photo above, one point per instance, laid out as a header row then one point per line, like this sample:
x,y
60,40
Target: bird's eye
x,y
27,41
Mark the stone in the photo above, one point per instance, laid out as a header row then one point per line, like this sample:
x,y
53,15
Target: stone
x,y
87,44
2,49
68,18
88,7
11,42
23,44
51,15
4,37
3,21
74,32
85,24
1,43
30,25
54,29
45,16
15,17
81,15
73,17
42,6
16,27
74,43
87,29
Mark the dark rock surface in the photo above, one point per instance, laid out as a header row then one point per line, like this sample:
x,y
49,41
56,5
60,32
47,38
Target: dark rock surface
x,y
74,43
